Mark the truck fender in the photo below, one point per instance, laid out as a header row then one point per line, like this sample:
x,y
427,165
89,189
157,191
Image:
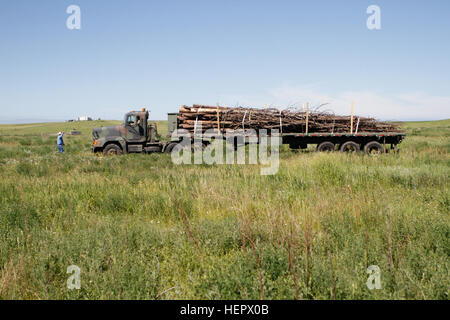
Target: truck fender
x,y
117,140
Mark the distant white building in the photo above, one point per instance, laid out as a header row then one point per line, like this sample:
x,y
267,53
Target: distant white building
x,y
84,118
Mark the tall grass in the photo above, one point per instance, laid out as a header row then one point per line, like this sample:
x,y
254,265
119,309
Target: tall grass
x,y
140,227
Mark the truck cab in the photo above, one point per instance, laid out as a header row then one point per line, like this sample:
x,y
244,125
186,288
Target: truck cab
x,y
135,134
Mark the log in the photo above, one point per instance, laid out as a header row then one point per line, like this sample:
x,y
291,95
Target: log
x,y
286,120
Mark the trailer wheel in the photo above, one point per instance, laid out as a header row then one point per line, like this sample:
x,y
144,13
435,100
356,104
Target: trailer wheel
x,y
326,146
170,147
373,148
199,147
394,148
112,150
350,146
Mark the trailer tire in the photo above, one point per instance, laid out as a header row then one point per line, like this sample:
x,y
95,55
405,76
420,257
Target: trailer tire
x,y
170,147
195,147
326,146
112,150
350,146
394,148
373,148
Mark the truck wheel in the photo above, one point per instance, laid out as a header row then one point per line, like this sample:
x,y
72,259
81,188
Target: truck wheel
x,y
373,148
350,146
112,150
326,146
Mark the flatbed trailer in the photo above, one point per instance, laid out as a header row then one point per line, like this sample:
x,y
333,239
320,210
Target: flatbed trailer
x,y
367,141
370,142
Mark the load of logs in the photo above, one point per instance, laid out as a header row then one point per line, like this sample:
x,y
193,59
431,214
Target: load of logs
x,y
200,117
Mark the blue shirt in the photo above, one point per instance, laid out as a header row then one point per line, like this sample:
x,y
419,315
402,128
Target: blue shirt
x,y
60,140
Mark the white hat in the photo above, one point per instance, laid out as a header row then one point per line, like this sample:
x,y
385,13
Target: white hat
x,y
59,133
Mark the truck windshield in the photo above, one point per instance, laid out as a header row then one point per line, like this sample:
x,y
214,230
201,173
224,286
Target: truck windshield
x,y
130,120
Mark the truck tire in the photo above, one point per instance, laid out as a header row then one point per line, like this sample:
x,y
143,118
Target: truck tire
x,y
350,146
172,145
373,148
112,150
326,146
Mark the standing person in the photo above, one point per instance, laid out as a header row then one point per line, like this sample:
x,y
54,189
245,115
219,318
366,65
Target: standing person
x,y
60,142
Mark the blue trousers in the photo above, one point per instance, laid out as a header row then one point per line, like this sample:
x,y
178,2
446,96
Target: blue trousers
x,y
60,147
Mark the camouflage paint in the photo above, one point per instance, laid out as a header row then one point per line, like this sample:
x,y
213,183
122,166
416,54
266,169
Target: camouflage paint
x,y
121,134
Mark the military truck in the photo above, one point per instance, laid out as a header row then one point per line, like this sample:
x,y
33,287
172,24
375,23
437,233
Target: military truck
x,y
137,135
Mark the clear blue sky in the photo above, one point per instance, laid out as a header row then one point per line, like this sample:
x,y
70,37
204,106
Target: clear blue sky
x,y
162,54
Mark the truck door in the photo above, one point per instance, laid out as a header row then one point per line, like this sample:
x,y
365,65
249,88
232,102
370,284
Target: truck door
x,y
135,128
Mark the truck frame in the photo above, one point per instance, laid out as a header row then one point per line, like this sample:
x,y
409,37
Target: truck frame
x,y
137,135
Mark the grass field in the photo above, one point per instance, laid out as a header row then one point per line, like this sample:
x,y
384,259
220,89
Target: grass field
x,y
140,227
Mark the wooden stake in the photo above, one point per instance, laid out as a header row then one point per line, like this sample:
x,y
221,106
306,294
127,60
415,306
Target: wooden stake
x,y
243,119
224,110
351,119
281,124
357,126
218,120
307,116
303,107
